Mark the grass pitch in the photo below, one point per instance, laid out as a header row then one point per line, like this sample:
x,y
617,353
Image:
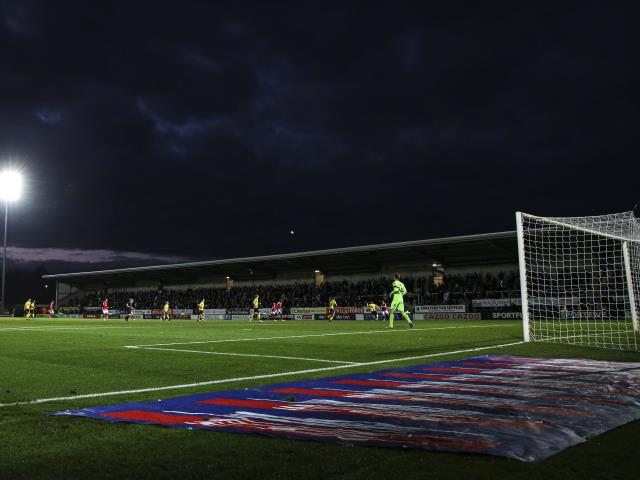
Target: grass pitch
x,y
48,365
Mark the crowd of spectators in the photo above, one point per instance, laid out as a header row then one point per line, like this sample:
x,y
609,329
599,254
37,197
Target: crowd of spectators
x,y
462,289
422,290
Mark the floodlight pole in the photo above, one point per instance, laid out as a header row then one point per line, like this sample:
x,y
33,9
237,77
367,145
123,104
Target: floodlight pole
x,y
4,256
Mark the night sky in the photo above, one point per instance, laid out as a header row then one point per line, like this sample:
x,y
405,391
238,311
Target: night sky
x,y
163,131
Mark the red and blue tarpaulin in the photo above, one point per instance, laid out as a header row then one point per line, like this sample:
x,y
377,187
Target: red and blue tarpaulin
x,y
523,408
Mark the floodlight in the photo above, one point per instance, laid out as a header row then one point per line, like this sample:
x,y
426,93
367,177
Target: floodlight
x,y
10,185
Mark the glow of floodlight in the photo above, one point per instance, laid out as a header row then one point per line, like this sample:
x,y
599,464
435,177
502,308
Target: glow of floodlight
x,y
10,185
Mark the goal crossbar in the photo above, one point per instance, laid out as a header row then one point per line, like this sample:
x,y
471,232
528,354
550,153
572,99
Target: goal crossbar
x,y
552,221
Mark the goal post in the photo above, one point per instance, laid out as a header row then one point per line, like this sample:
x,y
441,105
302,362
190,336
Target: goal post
x,y
580,279
631,292
523,278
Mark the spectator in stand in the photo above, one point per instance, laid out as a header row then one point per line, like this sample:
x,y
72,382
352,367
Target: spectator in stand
x,y
455,289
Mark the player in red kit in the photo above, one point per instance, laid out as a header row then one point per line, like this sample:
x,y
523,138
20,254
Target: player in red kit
x,y
52,309
105,309
277,310
385,311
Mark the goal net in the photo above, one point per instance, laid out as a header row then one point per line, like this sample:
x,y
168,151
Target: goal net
x,y
580,279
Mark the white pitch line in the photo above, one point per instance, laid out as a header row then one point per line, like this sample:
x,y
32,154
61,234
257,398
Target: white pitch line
x,y
120,324
255,377
367,332
248,355
56,329
606,336
42,327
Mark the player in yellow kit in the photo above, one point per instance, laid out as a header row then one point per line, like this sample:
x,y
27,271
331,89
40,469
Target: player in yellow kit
x,y
255,304
397,301
331,309
165,312
201,311
27,309
373,309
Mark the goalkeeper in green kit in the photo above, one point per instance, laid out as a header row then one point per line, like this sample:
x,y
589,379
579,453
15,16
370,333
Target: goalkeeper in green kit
x,y
397,302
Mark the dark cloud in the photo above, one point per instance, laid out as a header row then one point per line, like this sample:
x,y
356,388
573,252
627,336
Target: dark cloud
x,y
76,255
49,116
197,129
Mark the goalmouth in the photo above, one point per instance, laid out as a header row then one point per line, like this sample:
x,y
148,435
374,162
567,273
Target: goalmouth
x,y
580,279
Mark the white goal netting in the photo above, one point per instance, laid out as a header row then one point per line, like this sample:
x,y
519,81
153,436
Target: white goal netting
x,y
580,279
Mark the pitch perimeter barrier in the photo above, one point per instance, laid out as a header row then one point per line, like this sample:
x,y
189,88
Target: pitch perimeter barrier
x,y
495,302
310,310
447,316
489,310
440,308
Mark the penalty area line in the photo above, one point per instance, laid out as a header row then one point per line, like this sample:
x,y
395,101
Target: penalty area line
x,y
52,328
231,354
68,329
335,334
253,377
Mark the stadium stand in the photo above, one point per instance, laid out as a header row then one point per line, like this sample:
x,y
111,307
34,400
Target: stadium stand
x,y
455,289
453,270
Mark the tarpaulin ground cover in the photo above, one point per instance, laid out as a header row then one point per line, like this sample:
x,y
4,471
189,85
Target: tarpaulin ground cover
x,y
523,408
